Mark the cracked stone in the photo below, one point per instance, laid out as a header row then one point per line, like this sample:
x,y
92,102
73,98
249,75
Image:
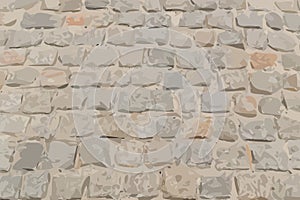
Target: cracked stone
x,y
231,38
96,4
7,149
257,38
20,39
234,80
125,6
274,21
71,56
262,60
205,38
259,130
216,187
29,156
41,20
133,19
194,19
291,61
281,41
101,56
292,21
179,5
10,186
14,124
221,19
42,56
60,38
35,184
266,83
37,102
54,77
12,56
270,106
233,4
155,20
61,155
245,106
25,76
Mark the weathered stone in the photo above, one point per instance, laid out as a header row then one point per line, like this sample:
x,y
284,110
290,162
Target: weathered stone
x,y
232,157
269,156
173,80
270,106
199,77
281,41
130,153
125,6
221,19
287,6
25,4
3,37
91,37
13,123
233,4
265,83
216,187
3,75
132,58
133,19
291,61
245,105
54,77
59,37
23,38
257,39
158,152
168,126
274,21
250,20
8,18
262,60
67,99
294,151
163,101
35,184
235,58
43,126
159,57
206,4
205,38
234,80
158,36
7,148
291,100
121,36
110,126
71,56
10,186
180,5
152,5
42,56
10,102
99,99
37,102
12,56
192,59
96,4
258,130
70,5
214,102
231,38
288,125
154,20
41,20
101,56
194,19
30,154
184,179
50,5
25,76
180,40
146,76
291,187
61,155
230,129
292,21
291,81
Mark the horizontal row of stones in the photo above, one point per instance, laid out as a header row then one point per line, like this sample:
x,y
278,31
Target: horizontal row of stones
x,y
95,182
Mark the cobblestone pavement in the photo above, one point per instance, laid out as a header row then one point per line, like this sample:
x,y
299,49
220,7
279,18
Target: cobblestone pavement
x,y
150,99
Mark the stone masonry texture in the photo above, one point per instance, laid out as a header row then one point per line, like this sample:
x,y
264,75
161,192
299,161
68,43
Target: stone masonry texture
x,y
150,99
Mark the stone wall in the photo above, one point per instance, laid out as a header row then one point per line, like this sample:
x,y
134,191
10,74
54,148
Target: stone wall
x,y
150,99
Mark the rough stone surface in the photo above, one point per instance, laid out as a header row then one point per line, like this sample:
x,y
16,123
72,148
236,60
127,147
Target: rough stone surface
x,y
250,20
265,83
35,184
274,21
41,20
281,41
262,60
257,38
19,39
221,19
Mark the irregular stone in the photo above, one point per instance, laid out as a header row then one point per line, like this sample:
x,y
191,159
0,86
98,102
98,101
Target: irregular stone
x,y
180,5
235,58
205,38
216,187
274,21
179,40
70,5
68,185
192,59
234,80
290,61
258,130
231,38
184,180
30,154
35,184
68,99
291,81
294,151
270,106
61,155
152,5
214,102
110,126
269,156
20,39
130,153
50,5
262,60
250,20
12,56
8,19
41,20
3,75
198,157
96,4
159,58
25,4
100,99
25,76
71,56
169,126
265,83
233,4
3,37
291,100
291,187
121,37
131,59
292,21
42,56
156,20
194,19
281,41
77,20
101,56
158,36
103,18
59,37
125,6
257,39
245,105
92,37
10,186
221,19
10,102
37,102
133,19
230,130
232,157
287,6
206,4
13,123
7,148
145,76
54,77
288,125
163,101
199,77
